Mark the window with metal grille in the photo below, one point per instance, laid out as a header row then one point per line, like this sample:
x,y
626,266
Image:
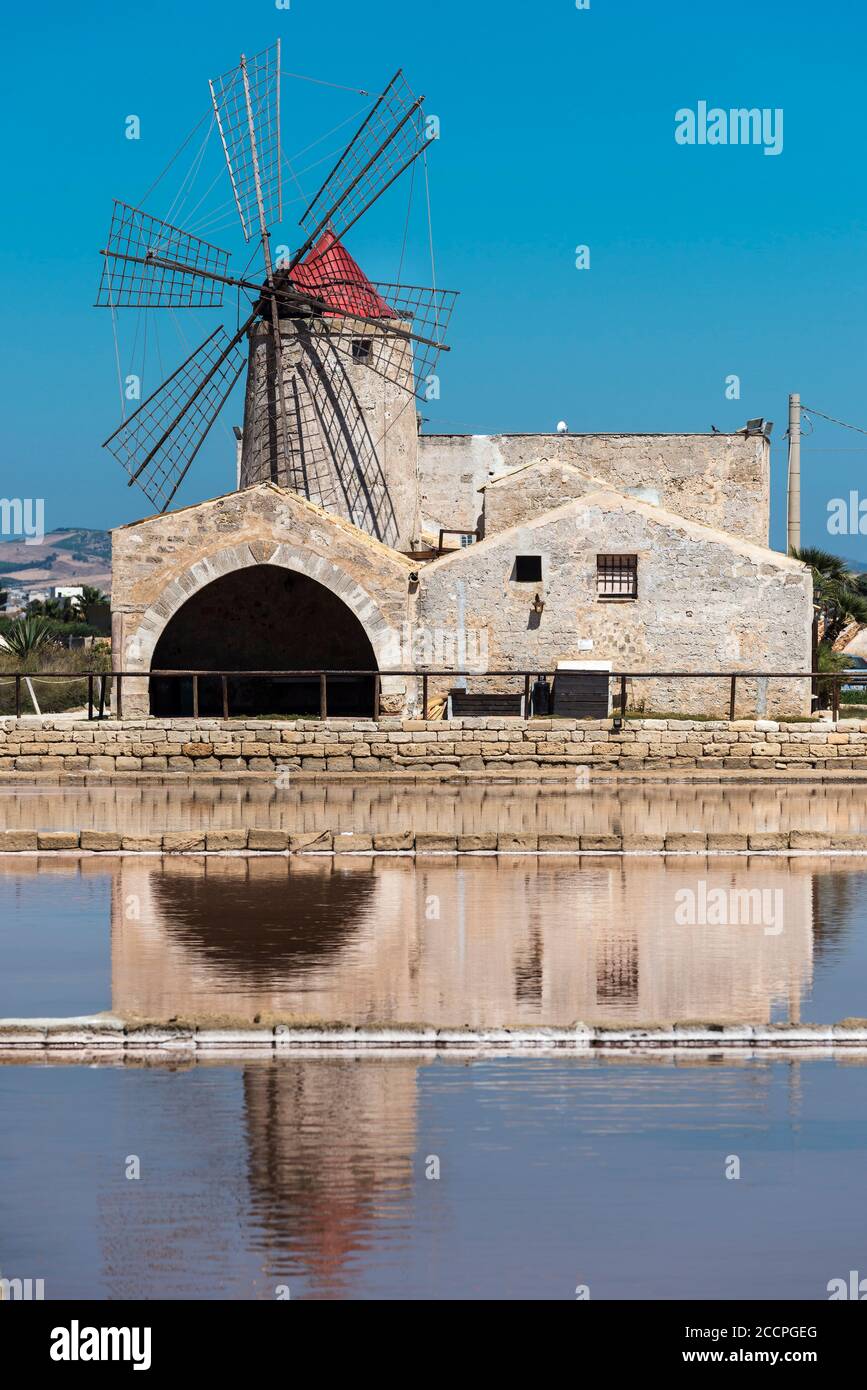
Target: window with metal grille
x,y
361,349
617,576
528,569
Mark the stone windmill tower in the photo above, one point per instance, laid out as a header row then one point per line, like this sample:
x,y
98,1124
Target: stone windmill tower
x,y
333,358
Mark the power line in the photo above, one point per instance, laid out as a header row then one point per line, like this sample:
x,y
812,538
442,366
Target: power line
x,y
833,420
320,81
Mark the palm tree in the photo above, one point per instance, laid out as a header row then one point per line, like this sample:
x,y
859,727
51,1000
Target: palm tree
x,y
91,595
61,610
838,595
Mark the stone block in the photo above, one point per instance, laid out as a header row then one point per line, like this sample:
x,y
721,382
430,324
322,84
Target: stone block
x,y
183,841
648,843
266,839
717,840
101,840
350,842
313,840
226,839
569,844
689,843
486,840
769,840
430,840
57,839
14,841
809,839
404,840
142,844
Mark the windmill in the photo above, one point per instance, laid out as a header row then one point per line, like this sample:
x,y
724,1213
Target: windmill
x,y
315,321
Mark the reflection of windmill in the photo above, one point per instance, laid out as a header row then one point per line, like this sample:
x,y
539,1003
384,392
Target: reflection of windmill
x,y
314,323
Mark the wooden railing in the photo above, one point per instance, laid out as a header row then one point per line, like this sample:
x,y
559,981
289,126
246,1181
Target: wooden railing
x,y
99,684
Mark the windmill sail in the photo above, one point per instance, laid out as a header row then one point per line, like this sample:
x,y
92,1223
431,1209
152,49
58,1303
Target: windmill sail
x,y
405,351
150,264
308,412
351,450
396,330
391,136
247,106
158,443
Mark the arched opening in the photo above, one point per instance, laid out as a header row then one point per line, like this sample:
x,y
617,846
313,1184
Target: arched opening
x,y
263,618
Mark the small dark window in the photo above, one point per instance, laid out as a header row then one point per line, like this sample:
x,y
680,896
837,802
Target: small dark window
x,y
528,569
617,576
361,349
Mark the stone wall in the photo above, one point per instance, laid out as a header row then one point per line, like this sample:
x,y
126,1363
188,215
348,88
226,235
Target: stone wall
x,y
722,480
351,431
706,602
528,492
479,747
160,563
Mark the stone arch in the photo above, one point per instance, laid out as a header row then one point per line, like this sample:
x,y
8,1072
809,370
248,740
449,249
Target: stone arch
x,y
140,644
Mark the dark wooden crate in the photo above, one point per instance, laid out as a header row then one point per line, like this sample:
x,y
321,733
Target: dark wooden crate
x,y
581,694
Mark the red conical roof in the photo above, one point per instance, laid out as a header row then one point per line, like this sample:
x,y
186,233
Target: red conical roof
x,y
330,273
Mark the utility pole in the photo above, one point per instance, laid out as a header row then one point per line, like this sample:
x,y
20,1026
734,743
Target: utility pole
x,y
794,520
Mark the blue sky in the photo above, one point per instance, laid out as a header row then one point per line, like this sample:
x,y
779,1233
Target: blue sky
x,y
557,129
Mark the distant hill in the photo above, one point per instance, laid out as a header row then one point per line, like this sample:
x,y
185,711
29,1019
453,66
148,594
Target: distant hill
x,y
73,555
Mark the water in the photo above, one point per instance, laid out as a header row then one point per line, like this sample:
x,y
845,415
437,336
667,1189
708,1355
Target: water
x,y
310,1175
423,1176
386,807
445,941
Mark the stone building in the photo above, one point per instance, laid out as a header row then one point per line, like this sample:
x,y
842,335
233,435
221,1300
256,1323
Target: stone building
x,y
623,553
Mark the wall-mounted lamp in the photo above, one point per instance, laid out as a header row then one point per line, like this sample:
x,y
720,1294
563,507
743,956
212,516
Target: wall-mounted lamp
x,y
538,603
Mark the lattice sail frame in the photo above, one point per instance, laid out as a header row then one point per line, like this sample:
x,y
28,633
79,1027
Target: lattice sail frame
x,y
151,264
158,443
391,136
403,346
396,330
252,157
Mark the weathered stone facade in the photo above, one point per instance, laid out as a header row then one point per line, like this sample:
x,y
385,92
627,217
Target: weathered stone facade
x,y
350,433
690,513
722,480
160,564
706,602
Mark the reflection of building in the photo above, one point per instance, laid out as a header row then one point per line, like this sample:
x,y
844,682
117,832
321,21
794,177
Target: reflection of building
x,y
473,808
450,808
327,1155
483,942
